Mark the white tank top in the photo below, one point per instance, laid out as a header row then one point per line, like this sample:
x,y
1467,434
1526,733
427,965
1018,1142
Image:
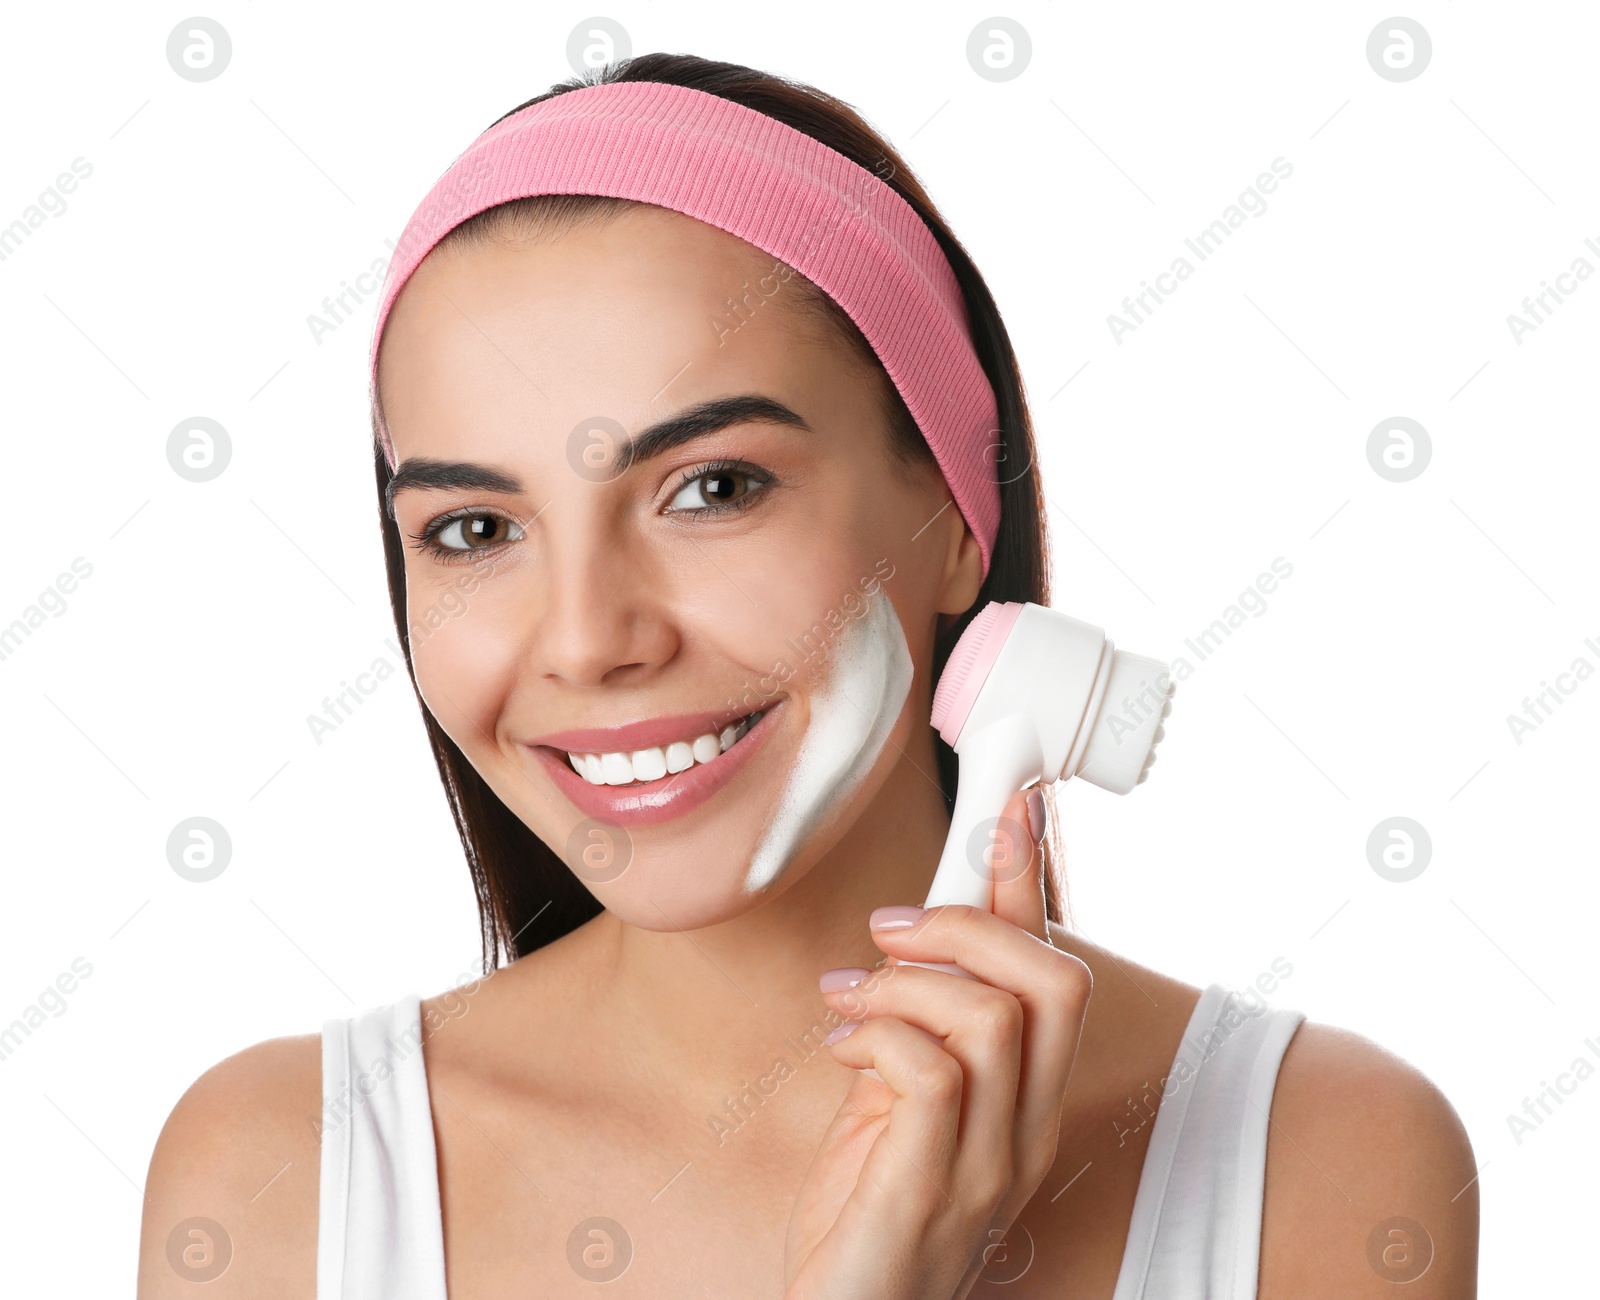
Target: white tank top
x,y
1195,1232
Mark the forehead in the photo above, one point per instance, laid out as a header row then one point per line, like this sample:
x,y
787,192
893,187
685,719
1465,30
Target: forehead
x,y
637,313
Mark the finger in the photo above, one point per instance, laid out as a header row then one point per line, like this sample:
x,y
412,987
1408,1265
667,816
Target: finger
x,y
1052,986
909,1173
982,1027
1015,863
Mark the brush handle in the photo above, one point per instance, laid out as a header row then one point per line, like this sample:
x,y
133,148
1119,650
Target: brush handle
x,y
995,763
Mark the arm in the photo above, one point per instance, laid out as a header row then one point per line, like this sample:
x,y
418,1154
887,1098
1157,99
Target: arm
x,y
239,1149
1358,1138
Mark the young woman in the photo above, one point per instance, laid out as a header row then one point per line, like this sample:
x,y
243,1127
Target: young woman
x,y
699,441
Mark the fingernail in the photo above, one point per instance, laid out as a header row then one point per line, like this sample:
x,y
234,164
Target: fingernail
x,y
841,978
843,1031
900,917
1036,814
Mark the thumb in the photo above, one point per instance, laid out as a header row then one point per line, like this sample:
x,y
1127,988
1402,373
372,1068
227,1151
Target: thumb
x,y
1015,862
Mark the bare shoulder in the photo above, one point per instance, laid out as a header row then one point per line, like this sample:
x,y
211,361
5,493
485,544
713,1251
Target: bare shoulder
x,y
1370,1177
231,1193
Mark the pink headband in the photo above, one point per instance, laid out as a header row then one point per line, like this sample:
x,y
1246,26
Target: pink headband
x,y
774,187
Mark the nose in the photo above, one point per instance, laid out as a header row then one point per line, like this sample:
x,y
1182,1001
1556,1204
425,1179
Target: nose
x,y
603,619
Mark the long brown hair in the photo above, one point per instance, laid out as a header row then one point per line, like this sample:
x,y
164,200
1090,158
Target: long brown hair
x,y
527,896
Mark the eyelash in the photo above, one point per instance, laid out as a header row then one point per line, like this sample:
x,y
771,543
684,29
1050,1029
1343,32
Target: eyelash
x,y
455,554
761,477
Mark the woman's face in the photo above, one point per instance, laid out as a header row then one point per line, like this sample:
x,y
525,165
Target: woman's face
x,y
767,553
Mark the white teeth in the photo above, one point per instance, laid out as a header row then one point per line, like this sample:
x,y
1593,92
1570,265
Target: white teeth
x,y
649,764
654,763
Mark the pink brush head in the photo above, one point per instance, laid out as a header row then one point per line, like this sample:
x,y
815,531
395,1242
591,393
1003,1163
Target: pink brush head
x,y
968,666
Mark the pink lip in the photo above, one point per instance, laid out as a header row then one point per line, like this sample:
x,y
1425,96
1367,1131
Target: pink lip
x,y
656,801
639,735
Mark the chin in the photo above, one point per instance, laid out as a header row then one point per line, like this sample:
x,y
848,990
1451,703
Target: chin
x,y
702,878
649,901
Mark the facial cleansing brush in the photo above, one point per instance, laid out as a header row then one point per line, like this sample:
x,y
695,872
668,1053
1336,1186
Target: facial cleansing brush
x,y
1031,694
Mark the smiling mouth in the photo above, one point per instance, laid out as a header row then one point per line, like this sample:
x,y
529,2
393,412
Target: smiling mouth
x,y
641,799
660,763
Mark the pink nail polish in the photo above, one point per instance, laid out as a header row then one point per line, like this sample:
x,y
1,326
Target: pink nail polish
x,y
843,1031
841,978
900,917
1036,814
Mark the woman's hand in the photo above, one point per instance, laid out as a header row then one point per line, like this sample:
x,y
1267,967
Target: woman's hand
x,y
924,1168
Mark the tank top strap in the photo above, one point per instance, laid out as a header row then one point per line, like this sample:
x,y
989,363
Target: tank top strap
x,y
1196,1228
379,1231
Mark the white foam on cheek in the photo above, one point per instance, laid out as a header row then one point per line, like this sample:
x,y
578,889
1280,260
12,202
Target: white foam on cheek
x,y
867,681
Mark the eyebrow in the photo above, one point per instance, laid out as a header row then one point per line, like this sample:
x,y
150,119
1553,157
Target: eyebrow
x,y
425,474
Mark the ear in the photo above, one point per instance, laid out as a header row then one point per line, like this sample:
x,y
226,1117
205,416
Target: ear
x,y
963,568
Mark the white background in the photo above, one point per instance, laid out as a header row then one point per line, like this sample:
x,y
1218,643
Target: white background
x,y
1227,430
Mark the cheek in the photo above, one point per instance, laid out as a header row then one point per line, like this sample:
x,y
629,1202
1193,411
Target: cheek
x,y
773,625
854,702
464,663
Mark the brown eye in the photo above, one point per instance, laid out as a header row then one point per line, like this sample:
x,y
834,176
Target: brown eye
x,y
718,488
722,487
471,531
